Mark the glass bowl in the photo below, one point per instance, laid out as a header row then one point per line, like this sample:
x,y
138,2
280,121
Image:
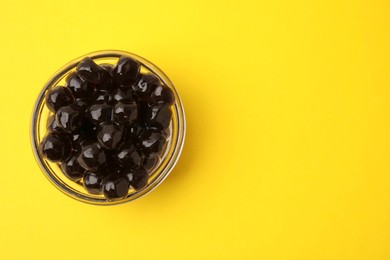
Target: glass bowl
x,y
75,190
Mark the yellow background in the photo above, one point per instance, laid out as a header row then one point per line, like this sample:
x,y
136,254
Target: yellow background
x,y
288,140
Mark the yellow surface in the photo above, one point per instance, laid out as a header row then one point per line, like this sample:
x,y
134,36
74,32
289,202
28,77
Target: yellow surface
x,y
288,140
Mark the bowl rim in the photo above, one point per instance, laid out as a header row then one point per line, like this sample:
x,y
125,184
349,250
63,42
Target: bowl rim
x,y
178,109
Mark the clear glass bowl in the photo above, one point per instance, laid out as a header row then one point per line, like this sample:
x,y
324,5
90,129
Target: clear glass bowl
x,y
74,190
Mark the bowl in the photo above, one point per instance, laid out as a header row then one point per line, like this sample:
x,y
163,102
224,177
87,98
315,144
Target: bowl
x,y
75,190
